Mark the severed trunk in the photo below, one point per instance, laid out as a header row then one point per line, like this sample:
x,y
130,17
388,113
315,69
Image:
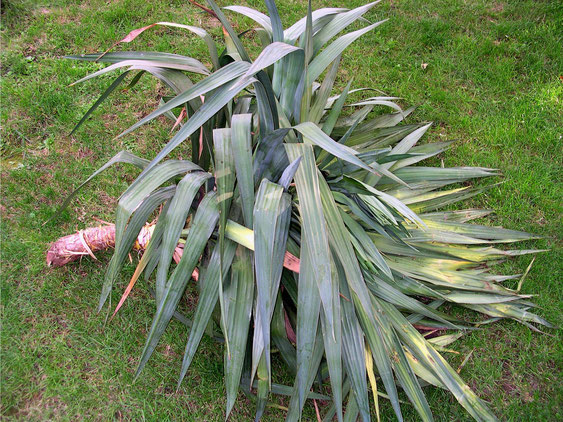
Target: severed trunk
x,y
95,239
87,242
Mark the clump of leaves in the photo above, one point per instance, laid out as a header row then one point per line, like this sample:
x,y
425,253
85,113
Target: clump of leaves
x,y
316,233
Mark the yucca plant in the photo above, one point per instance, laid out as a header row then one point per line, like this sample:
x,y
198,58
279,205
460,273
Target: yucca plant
x,y
316,234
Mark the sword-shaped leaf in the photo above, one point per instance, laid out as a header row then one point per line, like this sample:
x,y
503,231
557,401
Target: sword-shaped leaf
x,y
270,157
333,346
174,221
242,153
311,368
319,16
239,315
381,355
225,176
321,97
277,28
289,173
271,223
215,80
313,224
327,56
212,105
492,234
353,349
339,23
460,216
203,34
336,109
201,229
100,100
208,297
152,56
341,244
270,55
194,29
451,175
406,376
191,66
229,30
258,17
510,310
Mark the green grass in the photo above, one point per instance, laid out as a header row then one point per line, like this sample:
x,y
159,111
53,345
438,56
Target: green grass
x,y
491,80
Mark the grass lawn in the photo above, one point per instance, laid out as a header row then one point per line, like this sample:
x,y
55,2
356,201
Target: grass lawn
x,y
487,73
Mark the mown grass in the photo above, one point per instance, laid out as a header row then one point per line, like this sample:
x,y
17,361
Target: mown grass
x,y
487,73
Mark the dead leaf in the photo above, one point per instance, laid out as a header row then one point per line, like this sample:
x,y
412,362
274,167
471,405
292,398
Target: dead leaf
x,y
183,114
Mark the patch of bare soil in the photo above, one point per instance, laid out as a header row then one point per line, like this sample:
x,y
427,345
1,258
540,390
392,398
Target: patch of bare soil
x,y
497,8
37,407
513,384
